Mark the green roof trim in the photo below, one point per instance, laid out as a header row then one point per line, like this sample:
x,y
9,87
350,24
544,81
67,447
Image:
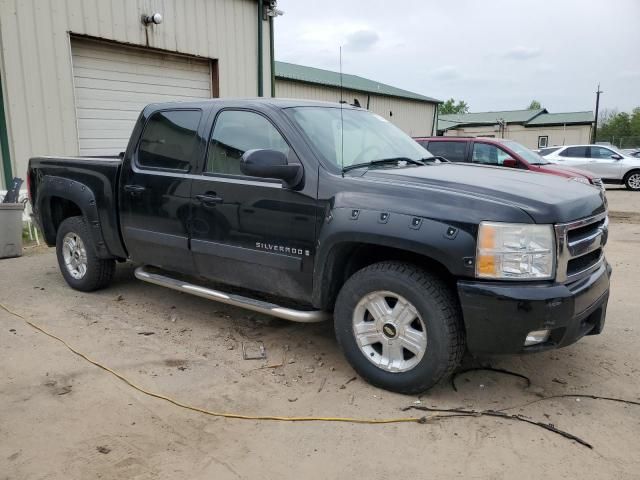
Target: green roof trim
x,y
291,71
491,118
568,118
528,118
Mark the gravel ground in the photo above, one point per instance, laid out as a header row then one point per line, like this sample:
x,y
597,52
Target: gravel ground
x,y
61,417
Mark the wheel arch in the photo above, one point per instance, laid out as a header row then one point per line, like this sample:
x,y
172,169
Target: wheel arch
x,y
61,198
344,258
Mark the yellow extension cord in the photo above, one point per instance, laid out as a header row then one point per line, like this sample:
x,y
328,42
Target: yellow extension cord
x,y
219,414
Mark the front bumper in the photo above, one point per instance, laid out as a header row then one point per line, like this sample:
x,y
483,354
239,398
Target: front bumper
x,y
498,315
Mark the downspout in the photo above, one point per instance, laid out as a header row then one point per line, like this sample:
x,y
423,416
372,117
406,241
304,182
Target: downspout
x,y
434,127
4,143
260,52
273,60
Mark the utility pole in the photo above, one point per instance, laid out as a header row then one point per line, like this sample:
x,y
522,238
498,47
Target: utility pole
x,y
595,123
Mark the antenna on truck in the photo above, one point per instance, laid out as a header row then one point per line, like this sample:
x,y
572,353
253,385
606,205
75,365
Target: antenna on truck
x,y
341,119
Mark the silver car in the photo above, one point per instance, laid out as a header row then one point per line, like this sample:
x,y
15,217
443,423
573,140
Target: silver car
x,y
605,162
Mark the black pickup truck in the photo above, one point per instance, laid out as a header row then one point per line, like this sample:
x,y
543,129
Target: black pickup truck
x,y
307,210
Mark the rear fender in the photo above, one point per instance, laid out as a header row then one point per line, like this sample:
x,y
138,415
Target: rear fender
x,y
80,195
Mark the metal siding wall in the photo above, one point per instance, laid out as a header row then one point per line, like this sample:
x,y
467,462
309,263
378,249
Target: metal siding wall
x,y
414,117
528,136
36,56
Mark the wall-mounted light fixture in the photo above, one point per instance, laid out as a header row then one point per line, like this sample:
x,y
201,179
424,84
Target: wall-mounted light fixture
x,y
155,18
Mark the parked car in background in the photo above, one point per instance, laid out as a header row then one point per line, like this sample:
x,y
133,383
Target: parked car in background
x,y
632,152
607,163
501,152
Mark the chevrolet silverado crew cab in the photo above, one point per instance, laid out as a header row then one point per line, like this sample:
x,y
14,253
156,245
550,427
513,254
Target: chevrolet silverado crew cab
x,y
309,210
503,152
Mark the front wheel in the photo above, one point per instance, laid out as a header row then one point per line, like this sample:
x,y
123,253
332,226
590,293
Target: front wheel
x,y
80,266
632,181
399,327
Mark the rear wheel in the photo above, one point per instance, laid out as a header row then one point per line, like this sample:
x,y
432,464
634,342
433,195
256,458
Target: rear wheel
x,y
632,180
80,266
399,327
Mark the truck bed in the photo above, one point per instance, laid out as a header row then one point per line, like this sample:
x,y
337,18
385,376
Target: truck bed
x,y
99,175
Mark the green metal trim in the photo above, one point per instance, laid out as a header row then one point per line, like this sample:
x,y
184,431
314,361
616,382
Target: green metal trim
x,y
260,54
273,60
4,142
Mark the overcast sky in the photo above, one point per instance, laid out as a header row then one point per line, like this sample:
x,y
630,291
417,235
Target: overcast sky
x,y
494,54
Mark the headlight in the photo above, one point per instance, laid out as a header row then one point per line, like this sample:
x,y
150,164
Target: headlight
x,y
581,180
515,251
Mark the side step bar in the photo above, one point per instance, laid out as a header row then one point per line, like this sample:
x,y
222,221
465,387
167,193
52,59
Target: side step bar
x,y
303,316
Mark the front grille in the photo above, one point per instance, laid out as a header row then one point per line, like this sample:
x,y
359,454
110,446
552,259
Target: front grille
x,y
580,246
580,264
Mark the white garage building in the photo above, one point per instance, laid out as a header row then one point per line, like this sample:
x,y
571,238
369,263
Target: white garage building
x,y
75,74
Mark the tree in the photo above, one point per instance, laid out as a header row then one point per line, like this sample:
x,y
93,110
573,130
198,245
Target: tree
x,y
534,105
451,107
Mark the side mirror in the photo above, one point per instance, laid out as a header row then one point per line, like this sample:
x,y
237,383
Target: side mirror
x,y
510,162
615,156
267,163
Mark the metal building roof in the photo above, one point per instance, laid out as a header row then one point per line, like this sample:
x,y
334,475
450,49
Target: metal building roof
x,y
490,118
528,118
291,71
567,118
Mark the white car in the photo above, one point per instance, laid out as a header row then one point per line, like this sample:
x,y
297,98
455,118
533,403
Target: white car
x,y
603,161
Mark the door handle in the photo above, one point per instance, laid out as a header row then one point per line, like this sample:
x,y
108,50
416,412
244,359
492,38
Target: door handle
x,y
134,188
209,199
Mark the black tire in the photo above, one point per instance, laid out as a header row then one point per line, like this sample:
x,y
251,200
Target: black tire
x,y
436,305
99,272
632,180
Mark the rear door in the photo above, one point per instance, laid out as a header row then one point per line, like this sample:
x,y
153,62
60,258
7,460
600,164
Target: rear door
x,y
602,164
155,189
247,231
573,157
452,151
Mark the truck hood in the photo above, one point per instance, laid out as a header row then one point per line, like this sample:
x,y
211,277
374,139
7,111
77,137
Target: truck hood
x,y
545,198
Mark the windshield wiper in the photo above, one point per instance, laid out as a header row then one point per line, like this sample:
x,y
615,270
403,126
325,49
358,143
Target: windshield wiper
x,y
384,161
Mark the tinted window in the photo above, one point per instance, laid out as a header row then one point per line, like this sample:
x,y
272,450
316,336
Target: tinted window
x,y
234,133
488,154
170,140
547,151
601,152
579,152
452,151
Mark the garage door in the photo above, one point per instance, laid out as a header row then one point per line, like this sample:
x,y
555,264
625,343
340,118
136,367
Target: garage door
x,y
113,83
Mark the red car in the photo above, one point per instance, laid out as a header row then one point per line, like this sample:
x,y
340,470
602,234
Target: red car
x,y
500,152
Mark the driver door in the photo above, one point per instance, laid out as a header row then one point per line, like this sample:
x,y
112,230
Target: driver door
x,y
246,231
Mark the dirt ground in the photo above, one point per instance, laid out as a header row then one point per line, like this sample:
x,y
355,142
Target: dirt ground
x,y
61,417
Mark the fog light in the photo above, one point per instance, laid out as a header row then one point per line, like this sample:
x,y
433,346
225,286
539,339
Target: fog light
x,y
535,337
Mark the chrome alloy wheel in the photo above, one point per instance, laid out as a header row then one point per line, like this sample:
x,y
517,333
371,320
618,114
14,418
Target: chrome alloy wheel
x,y
75,255
389,331
634,181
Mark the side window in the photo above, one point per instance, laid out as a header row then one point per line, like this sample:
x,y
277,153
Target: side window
x,y
452,151
170,140
601,153
235,132
488,154
574,152
423,143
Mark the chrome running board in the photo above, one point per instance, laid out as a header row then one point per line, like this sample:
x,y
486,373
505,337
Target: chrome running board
x,y
303,316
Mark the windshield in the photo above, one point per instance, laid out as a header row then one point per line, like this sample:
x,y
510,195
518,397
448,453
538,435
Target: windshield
x,y
529,155
367,137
